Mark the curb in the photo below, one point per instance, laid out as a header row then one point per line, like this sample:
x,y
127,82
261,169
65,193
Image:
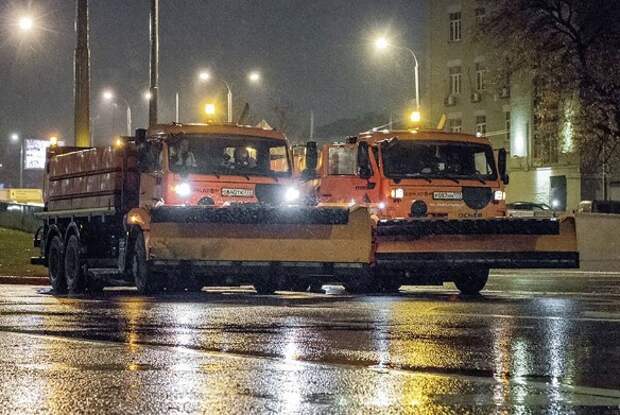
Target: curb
x,y
24,280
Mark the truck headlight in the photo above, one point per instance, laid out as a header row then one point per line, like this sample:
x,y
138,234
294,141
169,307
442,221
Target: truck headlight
x,y
291,194
183,189
499,195
397,193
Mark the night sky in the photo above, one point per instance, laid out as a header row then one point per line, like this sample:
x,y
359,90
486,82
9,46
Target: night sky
x,y
313,55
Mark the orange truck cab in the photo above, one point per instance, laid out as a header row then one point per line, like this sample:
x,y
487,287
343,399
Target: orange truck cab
x,y
217,165
414,174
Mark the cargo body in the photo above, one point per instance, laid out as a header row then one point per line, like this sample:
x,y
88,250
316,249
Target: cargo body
x,y
438,203
184,206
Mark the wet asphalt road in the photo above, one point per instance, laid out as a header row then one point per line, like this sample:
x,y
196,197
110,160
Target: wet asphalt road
x,y
535,342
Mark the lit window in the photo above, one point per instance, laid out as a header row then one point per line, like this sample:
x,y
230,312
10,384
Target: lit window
x,y
455,80
481,71
481,125
455,27
455,125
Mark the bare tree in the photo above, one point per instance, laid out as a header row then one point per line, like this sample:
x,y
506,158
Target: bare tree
x,y
570,49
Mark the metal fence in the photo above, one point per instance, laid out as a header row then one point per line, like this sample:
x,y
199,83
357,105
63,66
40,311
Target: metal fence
x,y
19,216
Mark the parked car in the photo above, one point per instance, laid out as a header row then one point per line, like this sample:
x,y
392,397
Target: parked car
x,y
529,209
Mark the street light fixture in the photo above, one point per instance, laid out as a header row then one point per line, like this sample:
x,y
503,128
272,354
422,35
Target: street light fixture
x,y
254,77
382,43
204,75
109,96
16,138
25,23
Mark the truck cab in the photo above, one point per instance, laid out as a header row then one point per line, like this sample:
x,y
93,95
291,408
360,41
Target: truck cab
x,y
214,165
414,174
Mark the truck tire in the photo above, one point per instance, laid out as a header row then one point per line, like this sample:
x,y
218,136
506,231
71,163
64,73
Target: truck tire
x,y
76,281
56,265
147,281
471,282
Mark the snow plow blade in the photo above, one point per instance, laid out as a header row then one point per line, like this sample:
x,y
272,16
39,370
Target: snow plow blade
x,y
241,239
487,243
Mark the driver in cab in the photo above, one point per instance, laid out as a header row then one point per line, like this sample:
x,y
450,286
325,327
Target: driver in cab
x,y
182,156
242,159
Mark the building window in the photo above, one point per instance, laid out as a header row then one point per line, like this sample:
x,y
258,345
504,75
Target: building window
x,y
481,14
455,80
455,27
455,125
481,125
507,127
481,71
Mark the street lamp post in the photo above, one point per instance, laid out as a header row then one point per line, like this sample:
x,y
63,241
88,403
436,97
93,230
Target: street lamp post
x,y
109,97
15,138
253,77
383,43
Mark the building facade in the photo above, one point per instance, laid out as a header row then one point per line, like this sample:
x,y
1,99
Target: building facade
x,y
463,90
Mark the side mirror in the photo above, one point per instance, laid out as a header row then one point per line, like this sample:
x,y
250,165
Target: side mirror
x,y
363,160
501,165
312,157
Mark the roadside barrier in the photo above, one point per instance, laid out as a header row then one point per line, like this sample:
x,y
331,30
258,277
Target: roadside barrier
x,y
598,241
19,216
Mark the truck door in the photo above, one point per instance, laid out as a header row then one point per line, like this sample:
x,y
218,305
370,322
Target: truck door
x,y
340,179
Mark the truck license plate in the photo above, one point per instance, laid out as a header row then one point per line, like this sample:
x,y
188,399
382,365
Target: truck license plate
x,y
238,192
448,195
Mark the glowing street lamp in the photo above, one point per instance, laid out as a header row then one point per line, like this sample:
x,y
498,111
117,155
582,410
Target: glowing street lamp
x,y
25,23
53,140
254,77
204,76
382,43
148,96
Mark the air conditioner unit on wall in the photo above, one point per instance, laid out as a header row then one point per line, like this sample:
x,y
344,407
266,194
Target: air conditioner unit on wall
x,y
450,100
476,97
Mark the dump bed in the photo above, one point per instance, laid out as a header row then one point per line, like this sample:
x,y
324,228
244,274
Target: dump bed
x,y
91,178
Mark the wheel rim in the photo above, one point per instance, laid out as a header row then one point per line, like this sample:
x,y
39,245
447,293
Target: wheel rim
x,y
72,265
54,263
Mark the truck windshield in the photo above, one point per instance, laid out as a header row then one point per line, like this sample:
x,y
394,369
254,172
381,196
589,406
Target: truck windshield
x,y
438,160
229,155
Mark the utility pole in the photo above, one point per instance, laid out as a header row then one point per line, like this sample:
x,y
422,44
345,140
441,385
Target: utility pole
x,y
311,125
154,67
81,77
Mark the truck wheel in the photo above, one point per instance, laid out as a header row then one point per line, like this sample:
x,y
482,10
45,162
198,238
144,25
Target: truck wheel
x,y
73,266
147,281
471,282
56,265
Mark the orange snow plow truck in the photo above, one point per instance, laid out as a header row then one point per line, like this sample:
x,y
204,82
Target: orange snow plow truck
x,y
438,204
182,206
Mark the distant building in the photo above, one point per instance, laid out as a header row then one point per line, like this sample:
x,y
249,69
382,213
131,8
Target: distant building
x,y
460,84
